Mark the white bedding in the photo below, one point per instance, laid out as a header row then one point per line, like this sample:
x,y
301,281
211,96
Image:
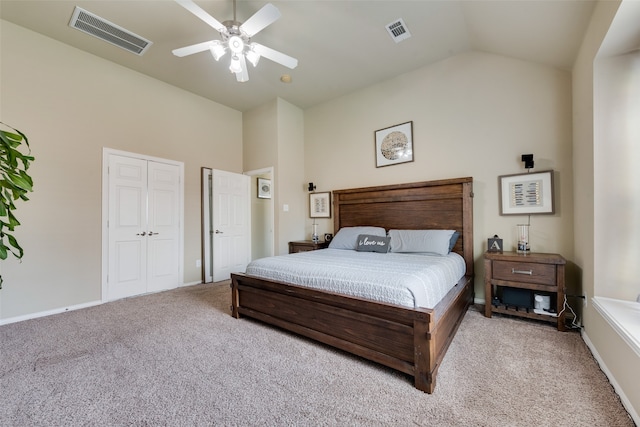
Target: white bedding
x,y
411,280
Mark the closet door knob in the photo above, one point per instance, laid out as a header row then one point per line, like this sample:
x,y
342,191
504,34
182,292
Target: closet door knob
x,y
144,233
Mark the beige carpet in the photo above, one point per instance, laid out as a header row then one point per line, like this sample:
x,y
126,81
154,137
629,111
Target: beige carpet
x,y
178,358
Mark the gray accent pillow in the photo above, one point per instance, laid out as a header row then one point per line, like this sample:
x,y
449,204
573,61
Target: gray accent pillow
x,y
454,239
369,243
431,241
346,237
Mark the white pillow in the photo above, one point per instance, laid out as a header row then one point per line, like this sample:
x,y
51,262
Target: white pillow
x,y
432,241
347,237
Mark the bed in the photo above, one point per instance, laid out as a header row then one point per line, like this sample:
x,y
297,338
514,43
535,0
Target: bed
x,y
410,340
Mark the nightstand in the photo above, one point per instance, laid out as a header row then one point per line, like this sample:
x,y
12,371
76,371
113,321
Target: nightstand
x,y
306,245
511,280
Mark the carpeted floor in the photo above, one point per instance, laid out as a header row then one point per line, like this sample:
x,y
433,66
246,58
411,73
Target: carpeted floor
x,y
178,358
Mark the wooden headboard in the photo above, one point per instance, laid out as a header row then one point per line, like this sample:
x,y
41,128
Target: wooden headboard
x,y
438,205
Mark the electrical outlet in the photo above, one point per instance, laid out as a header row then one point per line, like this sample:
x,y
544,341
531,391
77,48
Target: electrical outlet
x,y
198,263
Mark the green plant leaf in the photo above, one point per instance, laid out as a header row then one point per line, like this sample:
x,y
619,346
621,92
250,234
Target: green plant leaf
x,y
15,183
13,242
3,251
20,182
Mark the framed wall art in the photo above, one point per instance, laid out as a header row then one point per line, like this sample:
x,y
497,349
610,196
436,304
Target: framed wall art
x,y
320,205
394,145
264,188
526,194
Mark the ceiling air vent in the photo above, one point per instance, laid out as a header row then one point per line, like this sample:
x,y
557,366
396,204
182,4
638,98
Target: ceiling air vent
x,y
98,27
398,30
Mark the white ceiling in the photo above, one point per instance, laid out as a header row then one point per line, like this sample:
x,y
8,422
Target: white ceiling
x,y
341,46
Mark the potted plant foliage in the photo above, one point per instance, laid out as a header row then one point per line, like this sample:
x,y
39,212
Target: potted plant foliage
x,y
15,183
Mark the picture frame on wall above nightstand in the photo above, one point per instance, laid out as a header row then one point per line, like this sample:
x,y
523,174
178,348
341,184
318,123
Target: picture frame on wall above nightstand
x,y
320,205
526,193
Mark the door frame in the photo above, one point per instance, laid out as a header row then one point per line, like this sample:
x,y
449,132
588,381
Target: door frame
x,y
106,152
269,170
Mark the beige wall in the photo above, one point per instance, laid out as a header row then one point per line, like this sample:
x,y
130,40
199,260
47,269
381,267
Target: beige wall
x,y
260,151
592,132
273,137
71,105
290,175
473,115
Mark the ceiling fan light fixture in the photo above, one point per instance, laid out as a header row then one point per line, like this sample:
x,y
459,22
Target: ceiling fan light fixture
x,y
236,44
217,50
235,66
253,57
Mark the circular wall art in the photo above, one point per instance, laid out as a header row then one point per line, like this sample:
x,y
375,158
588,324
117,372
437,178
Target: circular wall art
x,y
394,145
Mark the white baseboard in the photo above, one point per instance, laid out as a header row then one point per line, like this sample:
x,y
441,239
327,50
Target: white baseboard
x,y
48,312
623,397
70,308
198,282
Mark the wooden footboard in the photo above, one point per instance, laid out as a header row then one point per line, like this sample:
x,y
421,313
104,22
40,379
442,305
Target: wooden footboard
x,y
412,341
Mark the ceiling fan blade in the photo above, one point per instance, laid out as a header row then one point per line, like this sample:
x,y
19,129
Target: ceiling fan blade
x,y
243,76
194,48
202,14
261,19
276,56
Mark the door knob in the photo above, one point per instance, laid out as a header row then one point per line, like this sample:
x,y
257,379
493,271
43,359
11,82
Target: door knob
x,y
151,233
219,232
144,233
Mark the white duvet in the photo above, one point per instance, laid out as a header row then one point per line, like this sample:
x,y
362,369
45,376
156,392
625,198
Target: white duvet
x,y
410,280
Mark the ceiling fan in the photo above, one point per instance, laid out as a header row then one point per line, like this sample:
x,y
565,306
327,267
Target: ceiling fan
x,y
236,39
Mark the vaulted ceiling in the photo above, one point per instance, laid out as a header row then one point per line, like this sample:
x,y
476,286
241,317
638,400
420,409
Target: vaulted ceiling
x,y
341,46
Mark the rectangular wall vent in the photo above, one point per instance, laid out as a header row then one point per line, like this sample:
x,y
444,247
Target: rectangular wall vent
x,y
398,30
98,27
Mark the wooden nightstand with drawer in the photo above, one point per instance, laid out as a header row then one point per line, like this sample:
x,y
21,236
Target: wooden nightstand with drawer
x,y
306,245
512,279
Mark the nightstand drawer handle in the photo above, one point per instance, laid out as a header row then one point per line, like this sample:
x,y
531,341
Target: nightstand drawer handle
x,y
528,272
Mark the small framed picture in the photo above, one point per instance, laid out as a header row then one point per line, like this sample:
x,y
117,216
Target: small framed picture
x,y
527,193
320,205
394,145
264,188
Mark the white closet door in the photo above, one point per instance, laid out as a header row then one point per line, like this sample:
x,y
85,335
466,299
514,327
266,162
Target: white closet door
x,y
143,227
163,226
127,227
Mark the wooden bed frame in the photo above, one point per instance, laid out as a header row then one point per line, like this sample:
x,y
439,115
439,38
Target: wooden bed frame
x,y
412,341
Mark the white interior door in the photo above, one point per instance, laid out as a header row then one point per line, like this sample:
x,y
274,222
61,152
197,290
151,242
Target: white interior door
x,y
143,226
127,227
163,222
231,225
